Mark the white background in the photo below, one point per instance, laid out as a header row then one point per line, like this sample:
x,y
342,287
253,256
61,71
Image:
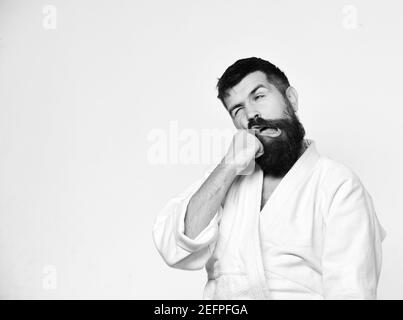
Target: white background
x,y
78,193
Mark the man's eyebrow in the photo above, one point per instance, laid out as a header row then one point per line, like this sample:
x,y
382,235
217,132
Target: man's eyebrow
x,y
258,87
250,93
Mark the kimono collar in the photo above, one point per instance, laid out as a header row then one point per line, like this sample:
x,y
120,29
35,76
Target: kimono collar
x,y
295,176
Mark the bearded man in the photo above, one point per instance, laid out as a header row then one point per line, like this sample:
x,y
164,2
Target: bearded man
x,y
297,225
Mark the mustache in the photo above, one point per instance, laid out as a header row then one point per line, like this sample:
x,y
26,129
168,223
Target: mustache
x,y
263,123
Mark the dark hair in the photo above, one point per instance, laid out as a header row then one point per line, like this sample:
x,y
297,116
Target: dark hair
x,y
241,68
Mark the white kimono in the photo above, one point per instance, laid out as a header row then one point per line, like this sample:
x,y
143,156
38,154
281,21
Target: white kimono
x,y
317,237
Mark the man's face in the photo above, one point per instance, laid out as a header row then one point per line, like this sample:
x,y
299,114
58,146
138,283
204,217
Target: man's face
x,y
256,104
254,95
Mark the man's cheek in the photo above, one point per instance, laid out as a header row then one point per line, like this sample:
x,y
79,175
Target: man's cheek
x,y
239,123
266,141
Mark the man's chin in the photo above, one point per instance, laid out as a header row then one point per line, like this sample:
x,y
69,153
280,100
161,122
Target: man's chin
x,y
282,151
277,159
275,169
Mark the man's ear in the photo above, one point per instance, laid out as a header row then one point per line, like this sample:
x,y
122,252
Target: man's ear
x,y
292,96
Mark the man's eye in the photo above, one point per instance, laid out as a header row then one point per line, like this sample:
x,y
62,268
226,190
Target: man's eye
x,y
259,96
236,111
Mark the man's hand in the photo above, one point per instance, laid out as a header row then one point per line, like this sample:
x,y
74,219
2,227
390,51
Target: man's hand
x,y
245,147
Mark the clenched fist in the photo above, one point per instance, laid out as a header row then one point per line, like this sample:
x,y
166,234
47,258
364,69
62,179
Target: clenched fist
x,y
244,148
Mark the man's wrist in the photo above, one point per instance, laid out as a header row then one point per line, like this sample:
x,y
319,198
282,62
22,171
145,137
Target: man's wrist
x,y
229,166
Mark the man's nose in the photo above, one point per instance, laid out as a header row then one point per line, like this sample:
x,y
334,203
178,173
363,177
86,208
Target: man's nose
x,y
251,116
252,113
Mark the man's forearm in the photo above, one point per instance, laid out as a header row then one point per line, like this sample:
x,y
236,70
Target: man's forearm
x,y
204,204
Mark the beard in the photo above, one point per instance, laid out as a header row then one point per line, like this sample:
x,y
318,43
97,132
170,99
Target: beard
x,y
280,153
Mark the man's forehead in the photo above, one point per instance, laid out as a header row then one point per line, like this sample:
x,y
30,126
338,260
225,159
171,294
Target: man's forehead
x,y
246,85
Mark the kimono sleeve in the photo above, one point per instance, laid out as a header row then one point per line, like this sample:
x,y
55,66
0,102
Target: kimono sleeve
x,y
352,252
177,249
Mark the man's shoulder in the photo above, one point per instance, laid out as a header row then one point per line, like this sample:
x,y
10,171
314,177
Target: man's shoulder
x,y
335,174
330,169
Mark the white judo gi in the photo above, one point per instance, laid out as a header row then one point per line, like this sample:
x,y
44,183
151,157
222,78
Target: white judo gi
x,y
317,237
